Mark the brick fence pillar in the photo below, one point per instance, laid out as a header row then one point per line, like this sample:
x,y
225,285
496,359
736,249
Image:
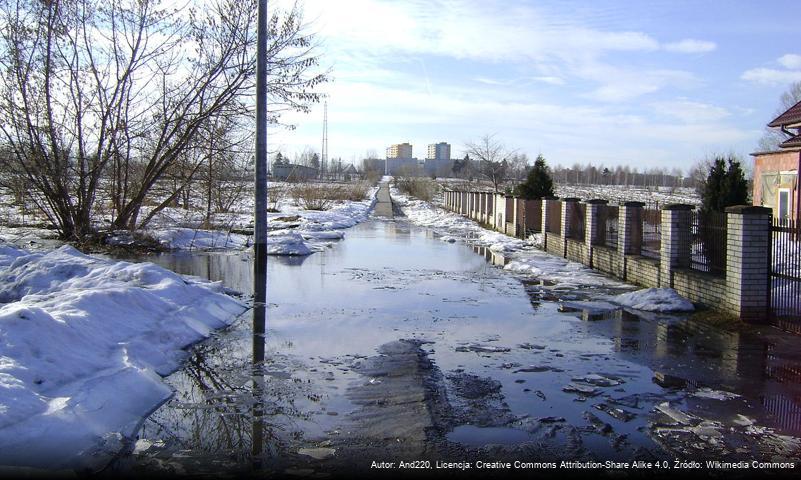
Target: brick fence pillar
x,y
747,262
514,217
544,218
593,231
629,229
676,241
500,212
568,207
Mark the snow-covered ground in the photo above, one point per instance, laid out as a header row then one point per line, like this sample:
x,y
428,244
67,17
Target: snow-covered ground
x,y
524,257
653,197
293,230
83,343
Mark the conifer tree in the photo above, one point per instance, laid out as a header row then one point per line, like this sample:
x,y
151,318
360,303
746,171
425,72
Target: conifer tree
x,y
724,186
538,183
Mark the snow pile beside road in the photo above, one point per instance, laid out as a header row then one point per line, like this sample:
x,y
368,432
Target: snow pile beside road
x,y
523,257
450,225
82,344
655,300
193,239
309,231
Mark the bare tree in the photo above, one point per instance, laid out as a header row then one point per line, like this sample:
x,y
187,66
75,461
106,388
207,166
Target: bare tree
x,y
121,91
492,157
772,137
518,165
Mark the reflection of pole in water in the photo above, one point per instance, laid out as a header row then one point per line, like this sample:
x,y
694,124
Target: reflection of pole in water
x,y
257,446
260,235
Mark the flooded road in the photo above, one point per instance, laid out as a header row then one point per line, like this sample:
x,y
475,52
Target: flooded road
x,y
394,345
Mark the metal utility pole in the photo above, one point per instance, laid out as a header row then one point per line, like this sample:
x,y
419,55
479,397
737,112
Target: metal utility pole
x,y
260,229
260,233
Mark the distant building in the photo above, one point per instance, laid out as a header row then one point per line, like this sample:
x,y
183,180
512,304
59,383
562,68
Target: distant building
x,y
776,174
439,151
442,167
402,166
400,150
293,172
374,165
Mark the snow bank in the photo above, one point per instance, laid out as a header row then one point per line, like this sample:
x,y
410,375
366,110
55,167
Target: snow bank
x,y
655,300
195,239
82,344
524,257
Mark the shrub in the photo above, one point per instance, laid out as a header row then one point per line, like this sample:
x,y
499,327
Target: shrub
x,y
418,187
322,196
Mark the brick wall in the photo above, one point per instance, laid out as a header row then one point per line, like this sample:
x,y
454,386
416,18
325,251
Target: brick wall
x,y
642,271
701,287
607,260
742,291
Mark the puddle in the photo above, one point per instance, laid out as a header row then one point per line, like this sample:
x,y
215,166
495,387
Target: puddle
x,y
472,436
518,362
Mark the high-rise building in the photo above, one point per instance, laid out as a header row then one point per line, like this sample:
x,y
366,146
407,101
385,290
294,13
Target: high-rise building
x,y
439,151
400,150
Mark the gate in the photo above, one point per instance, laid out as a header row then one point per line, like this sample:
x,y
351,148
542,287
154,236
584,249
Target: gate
x,y
785,275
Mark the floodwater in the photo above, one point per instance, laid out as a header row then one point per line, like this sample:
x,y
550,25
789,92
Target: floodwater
x,y
395,345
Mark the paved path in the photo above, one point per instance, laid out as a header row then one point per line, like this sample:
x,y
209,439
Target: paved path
x,y
383,204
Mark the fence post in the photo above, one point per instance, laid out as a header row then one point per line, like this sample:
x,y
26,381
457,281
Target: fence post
x,y
592,227
500,212
568,205
747,262
544,219
676,248
514,218
630,228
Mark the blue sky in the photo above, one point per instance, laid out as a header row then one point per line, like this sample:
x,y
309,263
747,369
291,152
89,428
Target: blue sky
x,y
645,83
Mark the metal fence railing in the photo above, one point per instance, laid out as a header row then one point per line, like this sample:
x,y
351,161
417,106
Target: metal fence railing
x,y
651,233
708,242
608,226
533,216
577,221
785,274
554,217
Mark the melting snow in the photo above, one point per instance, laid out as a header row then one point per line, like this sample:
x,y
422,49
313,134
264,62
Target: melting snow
x,y
82,344
655,300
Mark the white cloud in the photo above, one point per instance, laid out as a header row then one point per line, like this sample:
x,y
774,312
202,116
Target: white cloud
x,y
691,112
772,76
550,80
791,61
690,45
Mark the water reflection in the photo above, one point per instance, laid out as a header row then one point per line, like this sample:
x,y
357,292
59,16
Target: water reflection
x,y
492,257
265,397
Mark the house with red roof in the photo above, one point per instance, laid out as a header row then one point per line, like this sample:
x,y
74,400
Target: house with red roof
x,y
776,174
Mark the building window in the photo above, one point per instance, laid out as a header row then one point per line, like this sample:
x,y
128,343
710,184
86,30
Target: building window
x,y
783,205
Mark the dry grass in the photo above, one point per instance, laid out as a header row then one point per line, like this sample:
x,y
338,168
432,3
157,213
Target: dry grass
x,y
322,196
418,187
